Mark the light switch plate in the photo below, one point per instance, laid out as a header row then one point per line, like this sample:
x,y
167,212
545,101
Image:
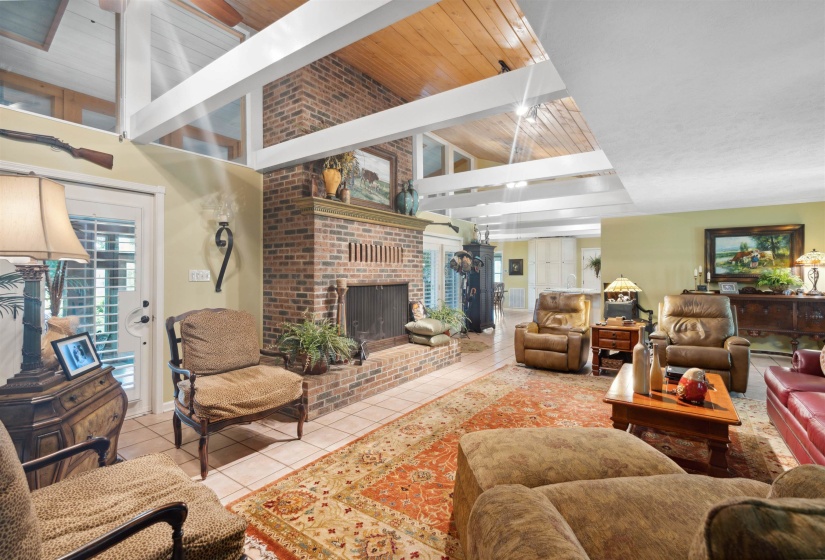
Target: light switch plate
x,y
199,276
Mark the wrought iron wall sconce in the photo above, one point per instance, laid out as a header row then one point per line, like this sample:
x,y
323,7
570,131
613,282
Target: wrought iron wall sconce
x,y
223,214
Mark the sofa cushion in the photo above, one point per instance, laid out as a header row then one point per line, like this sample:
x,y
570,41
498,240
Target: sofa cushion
x,y
545,342
437,340
19,529
644,517
804,406
782,382
82,508
426,327
804,481
816,433
218,341
241,392
698,356
516,523
759,529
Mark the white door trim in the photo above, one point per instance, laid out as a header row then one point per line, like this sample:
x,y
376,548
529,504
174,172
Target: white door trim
x,y
155,252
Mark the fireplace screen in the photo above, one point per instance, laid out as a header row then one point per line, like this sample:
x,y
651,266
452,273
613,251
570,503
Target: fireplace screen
x,y
377,313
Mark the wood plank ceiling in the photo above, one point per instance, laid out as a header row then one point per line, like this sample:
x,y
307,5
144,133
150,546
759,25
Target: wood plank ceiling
x,y
451,44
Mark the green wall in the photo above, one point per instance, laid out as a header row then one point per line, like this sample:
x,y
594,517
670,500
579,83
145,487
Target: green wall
x,y
659,252
513,250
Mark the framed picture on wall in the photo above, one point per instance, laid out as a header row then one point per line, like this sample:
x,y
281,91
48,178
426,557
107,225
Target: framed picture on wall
x,y
516,267
375,185
743,253
76,355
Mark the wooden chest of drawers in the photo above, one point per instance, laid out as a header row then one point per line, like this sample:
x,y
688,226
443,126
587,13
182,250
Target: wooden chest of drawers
x,y
610,338
68,413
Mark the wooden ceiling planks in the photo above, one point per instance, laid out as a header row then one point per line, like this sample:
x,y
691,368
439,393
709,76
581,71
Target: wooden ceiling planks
x,y
448,45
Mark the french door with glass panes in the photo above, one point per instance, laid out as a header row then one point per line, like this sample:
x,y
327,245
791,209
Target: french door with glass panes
x,y
112,293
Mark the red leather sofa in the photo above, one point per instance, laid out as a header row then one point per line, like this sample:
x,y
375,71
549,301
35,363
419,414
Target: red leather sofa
x,y
796,404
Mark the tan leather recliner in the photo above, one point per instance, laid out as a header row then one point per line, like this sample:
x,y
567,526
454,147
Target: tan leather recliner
x,y
702,331
559,336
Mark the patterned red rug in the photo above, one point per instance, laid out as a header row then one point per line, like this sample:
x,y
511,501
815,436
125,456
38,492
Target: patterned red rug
x,y
388,495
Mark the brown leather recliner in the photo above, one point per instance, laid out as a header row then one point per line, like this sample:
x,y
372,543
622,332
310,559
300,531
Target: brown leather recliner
x,y
559,336
702,331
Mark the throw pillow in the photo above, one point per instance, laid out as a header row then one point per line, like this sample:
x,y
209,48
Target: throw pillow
x,y
417,310
804,481
758,528
218,341
437,340
426,327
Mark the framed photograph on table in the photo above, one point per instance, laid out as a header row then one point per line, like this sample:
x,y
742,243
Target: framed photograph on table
x,y
741,254
76,354
728,288
375,185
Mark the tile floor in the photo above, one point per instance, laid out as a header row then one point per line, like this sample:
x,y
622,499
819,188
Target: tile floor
x,y
245,458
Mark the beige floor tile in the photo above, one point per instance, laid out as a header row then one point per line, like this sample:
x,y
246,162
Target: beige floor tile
x,y
192,469
151,419
216,442
291,452
395,404
230,455
341,443
268,440
129,425
226,500
245,431
374,413
221,484
307,460
414,396
368,429
272,477
352,424
355,407
163,428
187,435
331,418
156,445
135,436
179,455
325,436
252,469
375,399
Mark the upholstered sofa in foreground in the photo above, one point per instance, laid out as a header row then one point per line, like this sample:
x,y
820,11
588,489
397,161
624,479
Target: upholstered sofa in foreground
x,y
579,493
796,404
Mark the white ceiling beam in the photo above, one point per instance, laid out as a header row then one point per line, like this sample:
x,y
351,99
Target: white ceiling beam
x,y
617,196
530,85
543,223
539,191
548,233
550,215
568,229
547,168
311,31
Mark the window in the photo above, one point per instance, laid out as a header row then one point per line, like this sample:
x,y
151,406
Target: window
x,y
452,282
430,277
497,275
435,160
461,162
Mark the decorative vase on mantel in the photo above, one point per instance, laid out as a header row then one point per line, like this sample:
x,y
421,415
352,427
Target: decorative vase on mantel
x,y
414,195
332,178
403,200
343,193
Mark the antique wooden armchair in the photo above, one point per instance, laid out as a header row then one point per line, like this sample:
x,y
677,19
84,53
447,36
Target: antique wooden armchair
x,y
127,507
219,379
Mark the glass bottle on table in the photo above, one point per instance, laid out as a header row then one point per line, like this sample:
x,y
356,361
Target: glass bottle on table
x,y
656,378
641,377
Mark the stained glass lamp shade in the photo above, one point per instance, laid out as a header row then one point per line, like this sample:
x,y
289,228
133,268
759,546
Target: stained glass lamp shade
x,y
622,284
812,259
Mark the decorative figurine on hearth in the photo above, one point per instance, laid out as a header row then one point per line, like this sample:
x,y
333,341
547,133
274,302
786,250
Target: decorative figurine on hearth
x,y
693,386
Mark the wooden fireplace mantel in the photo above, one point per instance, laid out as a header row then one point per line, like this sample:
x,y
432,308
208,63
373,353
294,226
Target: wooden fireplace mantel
x,y
335,209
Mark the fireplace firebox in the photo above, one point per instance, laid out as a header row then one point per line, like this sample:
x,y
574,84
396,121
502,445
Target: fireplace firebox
x,y
377,313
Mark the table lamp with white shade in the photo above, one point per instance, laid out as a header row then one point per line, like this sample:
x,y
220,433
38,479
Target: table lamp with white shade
x,y
34,227
812,259
622,284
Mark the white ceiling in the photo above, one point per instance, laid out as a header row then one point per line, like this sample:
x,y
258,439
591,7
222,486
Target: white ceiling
x,y
698,105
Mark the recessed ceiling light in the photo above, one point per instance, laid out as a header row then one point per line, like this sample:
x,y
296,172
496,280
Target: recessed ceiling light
x,y
521,184
511,185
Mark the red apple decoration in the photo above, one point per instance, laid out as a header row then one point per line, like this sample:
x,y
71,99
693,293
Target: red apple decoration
x,y
693,386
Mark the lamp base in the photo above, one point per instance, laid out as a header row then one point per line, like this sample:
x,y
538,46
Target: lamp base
x,y
34,381
813,293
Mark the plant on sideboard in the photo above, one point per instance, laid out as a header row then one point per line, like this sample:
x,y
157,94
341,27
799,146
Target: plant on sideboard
x,y
453,319
779,279
315,343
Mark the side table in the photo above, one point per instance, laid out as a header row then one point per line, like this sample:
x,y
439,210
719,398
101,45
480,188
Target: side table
x,y
613,337
93,404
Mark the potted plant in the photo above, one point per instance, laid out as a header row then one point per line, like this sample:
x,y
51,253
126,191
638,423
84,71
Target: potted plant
x,y
315,343
594,264
779,279
11,302
453,319
337,168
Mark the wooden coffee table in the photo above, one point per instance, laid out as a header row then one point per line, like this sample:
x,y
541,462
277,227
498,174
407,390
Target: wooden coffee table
x,y
664,411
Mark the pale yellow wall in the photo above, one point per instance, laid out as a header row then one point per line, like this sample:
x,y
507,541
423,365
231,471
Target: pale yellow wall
x,y
465,228
191,181
586,243
513,250
660,252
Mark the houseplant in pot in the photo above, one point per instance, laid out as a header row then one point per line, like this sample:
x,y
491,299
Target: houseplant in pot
x,y
453,319
779,279
315,344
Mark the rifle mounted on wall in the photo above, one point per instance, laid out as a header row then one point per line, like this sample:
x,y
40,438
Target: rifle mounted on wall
x,y
98,158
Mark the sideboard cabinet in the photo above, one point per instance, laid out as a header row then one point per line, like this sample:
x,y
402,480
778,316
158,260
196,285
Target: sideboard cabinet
x,y
72,411
793,316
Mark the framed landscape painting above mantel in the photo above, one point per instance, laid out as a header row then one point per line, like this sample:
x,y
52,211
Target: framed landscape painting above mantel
x,y
743,253
375,185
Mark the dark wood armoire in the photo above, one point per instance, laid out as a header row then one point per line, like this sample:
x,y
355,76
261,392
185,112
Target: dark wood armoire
x,y
480,310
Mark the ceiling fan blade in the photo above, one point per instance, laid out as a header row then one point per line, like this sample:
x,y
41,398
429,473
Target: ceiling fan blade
x,y
220,10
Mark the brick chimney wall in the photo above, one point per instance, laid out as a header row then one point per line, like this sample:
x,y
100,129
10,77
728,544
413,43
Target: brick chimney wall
x,y
303,254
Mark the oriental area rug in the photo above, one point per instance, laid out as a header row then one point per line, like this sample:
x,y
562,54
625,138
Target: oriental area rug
x,y
388,495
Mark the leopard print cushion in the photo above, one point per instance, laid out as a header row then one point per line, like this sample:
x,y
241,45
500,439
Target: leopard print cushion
x,y
19,530
79,509
242,392
218,341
